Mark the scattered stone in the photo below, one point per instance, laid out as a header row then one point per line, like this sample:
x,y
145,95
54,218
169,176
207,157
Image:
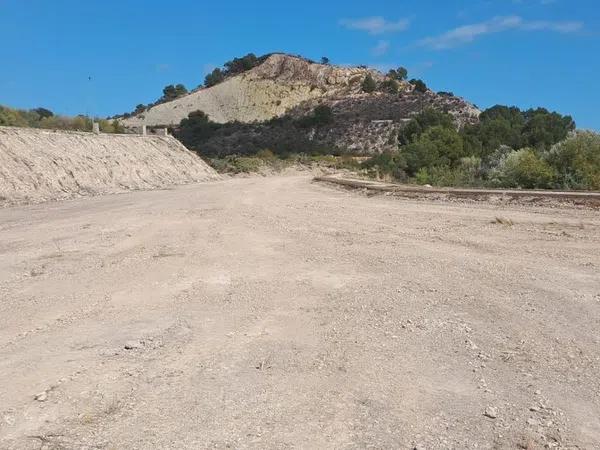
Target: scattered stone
x,y
491,412
533,422
42,396
132,345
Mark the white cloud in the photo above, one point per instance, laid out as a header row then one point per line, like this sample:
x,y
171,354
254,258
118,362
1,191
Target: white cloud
x,y
375,25
381,48
468,33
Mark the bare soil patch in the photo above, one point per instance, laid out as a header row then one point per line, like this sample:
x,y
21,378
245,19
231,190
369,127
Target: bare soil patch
x,y
280,313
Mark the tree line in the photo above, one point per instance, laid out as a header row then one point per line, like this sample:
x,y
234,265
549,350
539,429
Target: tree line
x,y
44,118
508,147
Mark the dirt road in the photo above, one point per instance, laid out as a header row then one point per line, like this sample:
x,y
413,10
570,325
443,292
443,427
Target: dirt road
x,y
277,313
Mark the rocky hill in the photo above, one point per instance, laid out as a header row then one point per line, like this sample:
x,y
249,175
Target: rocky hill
x,y
290,86
269,90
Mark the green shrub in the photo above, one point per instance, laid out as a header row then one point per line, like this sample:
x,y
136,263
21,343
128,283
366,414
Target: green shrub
x,y
389,86
247,164
524,168
422,176
399,74
465,174
388,164
265,154
214,78
170,92
419,85
576,161
369,85
237,164
438,146
321,115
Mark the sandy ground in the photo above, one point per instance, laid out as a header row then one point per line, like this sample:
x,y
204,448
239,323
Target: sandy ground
x,y
278,313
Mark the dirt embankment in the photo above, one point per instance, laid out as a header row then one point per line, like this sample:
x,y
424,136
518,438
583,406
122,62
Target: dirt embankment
x,y
38,165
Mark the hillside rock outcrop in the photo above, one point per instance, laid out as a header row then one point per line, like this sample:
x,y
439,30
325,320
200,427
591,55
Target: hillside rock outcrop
x,y
266,91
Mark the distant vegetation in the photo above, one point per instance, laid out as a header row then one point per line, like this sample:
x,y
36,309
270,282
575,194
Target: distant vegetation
x,y
507,148
218,75
399,74
44,118
285,135
369,85
391,84
233,67
419,85
170,92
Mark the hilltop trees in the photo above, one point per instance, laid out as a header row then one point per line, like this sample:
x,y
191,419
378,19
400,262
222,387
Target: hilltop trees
x,y
240,65
171,92
233,67
419,85
43,112
399,74
213,78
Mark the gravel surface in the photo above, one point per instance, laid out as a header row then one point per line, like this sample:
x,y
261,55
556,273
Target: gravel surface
x,y
279,313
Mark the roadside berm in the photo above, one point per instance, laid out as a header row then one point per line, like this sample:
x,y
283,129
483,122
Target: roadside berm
x,y
40,165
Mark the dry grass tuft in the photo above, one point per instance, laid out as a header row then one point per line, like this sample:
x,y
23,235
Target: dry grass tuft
x,y
503,221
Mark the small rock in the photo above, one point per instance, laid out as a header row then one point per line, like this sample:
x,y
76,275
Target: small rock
x,y
491,412
533,422
534,409
42,396
132,345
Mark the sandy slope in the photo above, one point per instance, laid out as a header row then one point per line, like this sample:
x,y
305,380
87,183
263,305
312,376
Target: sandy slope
x,y
276,313
38,165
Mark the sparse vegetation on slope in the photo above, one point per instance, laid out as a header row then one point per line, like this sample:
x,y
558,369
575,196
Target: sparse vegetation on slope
x,y
44,118
256,89
285,135
233,67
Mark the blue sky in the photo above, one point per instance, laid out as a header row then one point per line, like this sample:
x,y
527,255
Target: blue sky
x,y
517,52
